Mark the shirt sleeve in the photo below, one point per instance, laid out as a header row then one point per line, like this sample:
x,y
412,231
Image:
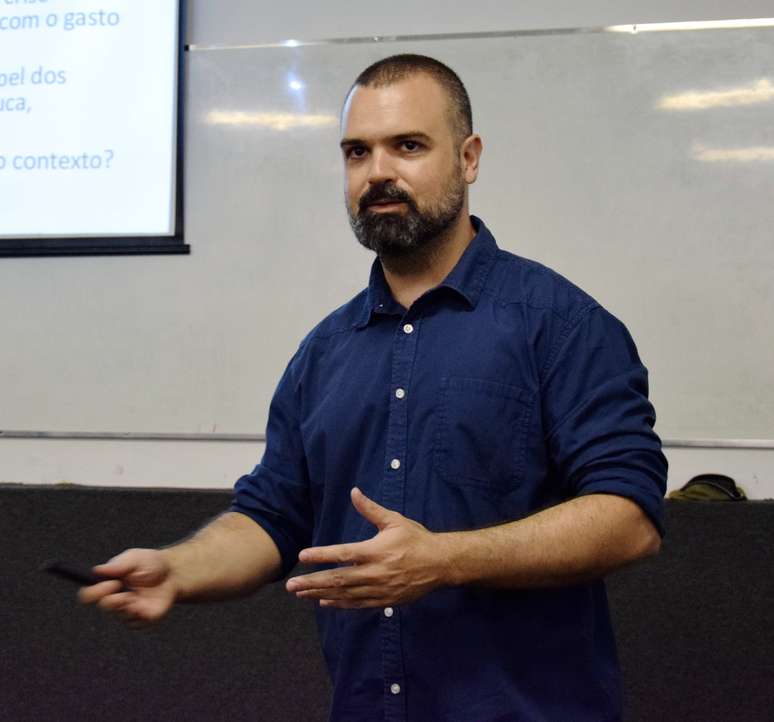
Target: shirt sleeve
x,y
599,419
275,494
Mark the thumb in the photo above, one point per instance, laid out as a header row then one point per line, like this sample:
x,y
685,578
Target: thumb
x,y
119,566
370,510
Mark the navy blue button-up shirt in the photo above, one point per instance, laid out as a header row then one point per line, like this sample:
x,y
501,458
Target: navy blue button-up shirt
x,y
503,390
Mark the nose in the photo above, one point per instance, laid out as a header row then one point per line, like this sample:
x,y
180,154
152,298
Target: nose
x,y
381,168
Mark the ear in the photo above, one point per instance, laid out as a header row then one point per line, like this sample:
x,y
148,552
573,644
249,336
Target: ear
x,y
470,156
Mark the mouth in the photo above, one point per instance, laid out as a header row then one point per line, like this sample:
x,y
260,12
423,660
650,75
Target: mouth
x,y
385,206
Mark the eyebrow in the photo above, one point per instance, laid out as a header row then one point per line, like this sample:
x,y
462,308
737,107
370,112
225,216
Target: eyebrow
x,y
411,135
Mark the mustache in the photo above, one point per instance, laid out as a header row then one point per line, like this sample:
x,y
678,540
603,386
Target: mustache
x,y
384,191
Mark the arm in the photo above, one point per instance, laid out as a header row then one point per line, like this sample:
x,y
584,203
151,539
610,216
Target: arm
x,y
229,557
577,540
254,542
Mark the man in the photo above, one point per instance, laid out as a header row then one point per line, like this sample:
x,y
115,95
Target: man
x,y
463,450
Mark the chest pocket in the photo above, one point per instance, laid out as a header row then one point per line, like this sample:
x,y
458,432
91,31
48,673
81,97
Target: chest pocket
x,y
481,430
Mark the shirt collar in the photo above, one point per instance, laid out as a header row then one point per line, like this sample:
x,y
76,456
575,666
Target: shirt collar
x,y
467,278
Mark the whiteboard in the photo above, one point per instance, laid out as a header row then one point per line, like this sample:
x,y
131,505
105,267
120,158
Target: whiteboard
x,y
587,168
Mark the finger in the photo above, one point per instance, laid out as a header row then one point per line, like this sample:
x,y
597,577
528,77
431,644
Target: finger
x,y
354,553
370,510
117,567
116,602
342,593
128,619
330,579
354,603
135,617
95,592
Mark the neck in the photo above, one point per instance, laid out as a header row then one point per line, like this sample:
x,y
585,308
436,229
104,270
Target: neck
x,y
411,276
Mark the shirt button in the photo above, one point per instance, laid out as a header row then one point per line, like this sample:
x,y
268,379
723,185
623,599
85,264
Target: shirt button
x,y
408,328
395,463
388,611
400,394
395,688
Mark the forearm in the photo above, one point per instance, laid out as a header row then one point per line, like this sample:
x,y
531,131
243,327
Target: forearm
x,y
230,557
576,541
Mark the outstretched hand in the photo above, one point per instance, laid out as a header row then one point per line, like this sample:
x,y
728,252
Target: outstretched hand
x,y
138,590
402,563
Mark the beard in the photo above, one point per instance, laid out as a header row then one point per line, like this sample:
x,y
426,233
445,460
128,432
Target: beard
x,y
409,233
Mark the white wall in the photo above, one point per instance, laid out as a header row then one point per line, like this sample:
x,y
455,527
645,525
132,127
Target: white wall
x,y
159,303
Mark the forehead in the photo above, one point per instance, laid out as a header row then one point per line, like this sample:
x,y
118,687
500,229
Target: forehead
x,y
414,103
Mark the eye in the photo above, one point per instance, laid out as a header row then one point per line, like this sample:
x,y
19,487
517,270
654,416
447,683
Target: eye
x,y
411,145
355,151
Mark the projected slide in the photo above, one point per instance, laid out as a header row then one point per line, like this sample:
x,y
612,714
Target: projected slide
x,y
88,113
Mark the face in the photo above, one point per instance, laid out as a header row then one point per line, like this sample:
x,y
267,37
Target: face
x,y
405,181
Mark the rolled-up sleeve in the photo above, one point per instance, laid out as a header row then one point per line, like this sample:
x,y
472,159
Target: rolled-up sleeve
x,y
276,493
595,405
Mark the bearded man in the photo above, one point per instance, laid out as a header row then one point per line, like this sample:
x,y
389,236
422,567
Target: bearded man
x,y
462,452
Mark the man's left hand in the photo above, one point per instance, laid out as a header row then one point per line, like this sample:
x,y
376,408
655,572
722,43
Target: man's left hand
x,y
403,562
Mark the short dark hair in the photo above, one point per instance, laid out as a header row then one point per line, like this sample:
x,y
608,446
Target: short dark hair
x,y
398,67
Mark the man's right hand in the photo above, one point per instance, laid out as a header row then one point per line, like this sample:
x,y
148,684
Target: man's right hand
x,y
140,589
230,557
